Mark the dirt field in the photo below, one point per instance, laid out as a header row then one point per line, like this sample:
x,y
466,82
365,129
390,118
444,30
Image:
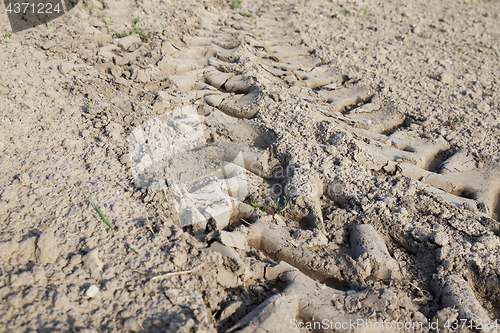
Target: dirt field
x,y
266,166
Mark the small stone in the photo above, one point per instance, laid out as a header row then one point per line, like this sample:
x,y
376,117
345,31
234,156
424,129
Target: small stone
x,y
10,194
47,248
126,42
94,264
66,67
131,325
440,238
478,246
141,76
446,77
26,250
92,291
483,106
7,249
49,44
490,241
235,309
30,294
23,279
231,239
62,302
446,315
114,130
69,143
24,178
96,22
101,38
15,300
39,275
3,210
125,159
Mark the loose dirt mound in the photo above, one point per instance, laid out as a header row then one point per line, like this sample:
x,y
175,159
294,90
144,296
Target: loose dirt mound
x,y
266,166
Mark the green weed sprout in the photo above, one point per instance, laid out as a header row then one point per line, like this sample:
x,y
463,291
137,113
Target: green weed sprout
x,y
346,12
122,34
254,205
141,31
278,203
334,13
375,21
409,142
103,217
453,127
247,14
460,47
173,3
48,28
111,20
132,248
237,4
366,12
5,37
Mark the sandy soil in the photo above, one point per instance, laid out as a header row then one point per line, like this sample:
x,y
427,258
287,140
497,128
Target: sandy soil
x,y
267,166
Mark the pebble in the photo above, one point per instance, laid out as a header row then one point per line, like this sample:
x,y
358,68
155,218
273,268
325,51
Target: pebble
x,y
47,248
26,250
417,30
483,106
94,264
23,279
101,38
7,249
65,67
114,130
440,238
125,159
446,77
62,302
3,210
490,241
445,315
141,76
92,291
126,42
96,22
10,194
49,44
131,325
39,275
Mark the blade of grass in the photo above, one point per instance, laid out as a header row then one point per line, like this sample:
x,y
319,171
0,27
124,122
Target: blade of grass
x,y
409,142
132,248
103,217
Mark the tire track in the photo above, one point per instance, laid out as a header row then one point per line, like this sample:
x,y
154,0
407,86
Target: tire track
x,y
245,75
